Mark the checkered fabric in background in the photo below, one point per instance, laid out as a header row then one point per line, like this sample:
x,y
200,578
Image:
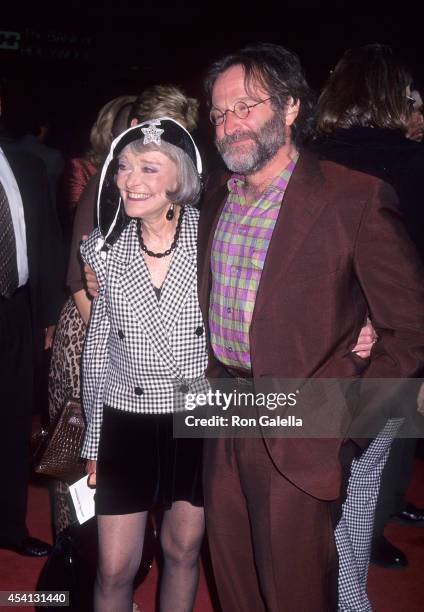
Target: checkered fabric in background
x,y
355,528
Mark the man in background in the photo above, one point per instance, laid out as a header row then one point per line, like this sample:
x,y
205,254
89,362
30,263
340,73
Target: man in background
x,y
31,295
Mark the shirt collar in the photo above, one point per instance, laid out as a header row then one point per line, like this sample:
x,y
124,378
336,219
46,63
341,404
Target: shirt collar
x,y
278,185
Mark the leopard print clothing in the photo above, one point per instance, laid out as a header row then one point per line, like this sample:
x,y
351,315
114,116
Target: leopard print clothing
x,y
64,382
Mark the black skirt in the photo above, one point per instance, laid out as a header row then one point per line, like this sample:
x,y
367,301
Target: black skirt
x,y
141,466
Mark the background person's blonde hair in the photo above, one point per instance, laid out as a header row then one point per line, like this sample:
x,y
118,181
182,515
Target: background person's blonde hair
x,y
166,101
101,134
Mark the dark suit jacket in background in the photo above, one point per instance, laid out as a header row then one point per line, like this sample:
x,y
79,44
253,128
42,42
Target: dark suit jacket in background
x,y
386,153
339,250
44,238
53,160
22,319
390,156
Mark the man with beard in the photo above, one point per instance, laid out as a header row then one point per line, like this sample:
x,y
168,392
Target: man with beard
x,y
293,254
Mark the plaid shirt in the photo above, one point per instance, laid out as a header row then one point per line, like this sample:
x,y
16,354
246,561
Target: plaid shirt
x,y
239,249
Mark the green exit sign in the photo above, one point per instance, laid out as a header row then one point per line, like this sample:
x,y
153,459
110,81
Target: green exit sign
x,y
10,41
47,44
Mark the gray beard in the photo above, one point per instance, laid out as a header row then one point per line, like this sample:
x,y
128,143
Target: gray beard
x,y
266,143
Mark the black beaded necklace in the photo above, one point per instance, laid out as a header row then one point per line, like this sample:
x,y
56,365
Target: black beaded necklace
x,y
173,243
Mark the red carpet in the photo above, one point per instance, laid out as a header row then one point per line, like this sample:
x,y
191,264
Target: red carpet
x,y
403,590
390,591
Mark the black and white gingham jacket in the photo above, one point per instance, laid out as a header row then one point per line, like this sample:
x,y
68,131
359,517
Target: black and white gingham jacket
x,y
139,352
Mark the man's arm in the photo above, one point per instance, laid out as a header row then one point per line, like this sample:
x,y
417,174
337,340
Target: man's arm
x,y
83,305
391,276
91,280
83,225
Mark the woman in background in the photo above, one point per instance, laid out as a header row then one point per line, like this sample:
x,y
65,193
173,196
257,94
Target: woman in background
x,y
79,170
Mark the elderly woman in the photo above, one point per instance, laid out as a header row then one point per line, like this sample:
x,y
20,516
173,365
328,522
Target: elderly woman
x,y
112,120
145,344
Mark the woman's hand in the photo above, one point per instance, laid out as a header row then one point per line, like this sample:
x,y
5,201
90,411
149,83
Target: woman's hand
x,y
367,337
90,468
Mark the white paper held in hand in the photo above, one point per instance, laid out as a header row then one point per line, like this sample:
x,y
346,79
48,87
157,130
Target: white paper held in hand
x,y
83,499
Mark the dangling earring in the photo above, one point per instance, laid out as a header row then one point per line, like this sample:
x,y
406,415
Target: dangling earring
x,y
170,213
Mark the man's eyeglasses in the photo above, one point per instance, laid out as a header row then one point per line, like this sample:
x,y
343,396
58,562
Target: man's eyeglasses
x,y
241,110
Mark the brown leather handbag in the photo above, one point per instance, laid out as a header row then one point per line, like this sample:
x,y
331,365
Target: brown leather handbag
x,y
59,455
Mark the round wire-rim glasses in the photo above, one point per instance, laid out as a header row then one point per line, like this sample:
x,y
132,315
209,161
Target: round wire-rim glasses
x,y
241,110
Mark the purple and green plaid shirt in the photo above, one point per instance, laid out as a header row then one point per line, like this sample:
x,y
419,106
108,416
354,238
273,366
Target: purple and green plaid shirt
x,y
239,249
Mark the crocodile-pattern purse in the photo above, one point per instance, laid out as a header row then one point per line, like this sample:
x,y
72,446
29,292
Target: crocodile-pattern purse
x,y
60,456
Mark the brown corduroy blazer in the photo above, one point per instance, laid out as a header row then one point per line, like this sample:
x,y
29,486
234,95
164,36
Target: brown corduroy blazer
x,y
339,250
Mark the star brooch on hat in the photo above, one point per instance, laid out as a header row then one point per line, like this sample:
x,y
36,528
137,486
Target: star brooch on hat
x,y
152,134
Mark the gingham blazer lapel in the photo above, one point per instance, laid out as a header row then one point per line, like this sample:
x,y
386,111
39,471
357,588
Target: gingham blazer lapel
x,y
136,287
181,279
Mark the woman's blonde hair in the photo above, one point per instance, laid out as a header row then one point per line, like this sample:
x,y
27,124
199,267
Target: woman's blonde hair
x,y
166,101
101,134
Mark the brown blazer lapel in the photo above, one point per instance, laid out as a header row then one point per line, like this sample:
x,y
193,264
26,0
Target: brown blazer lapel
x,y
304,199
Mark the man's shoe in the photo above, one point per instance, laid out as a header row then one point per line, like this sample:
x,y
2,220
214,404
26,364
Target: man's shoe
x,y
411,515
384,554
29,547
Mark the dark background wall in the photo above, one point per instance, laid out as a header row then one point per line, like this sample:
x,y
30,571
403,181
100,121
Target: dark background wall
x,y
71,65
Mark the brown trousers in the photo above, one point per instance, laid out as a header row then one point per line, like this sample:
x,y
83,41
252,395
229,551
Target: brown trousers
x,y
272,545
